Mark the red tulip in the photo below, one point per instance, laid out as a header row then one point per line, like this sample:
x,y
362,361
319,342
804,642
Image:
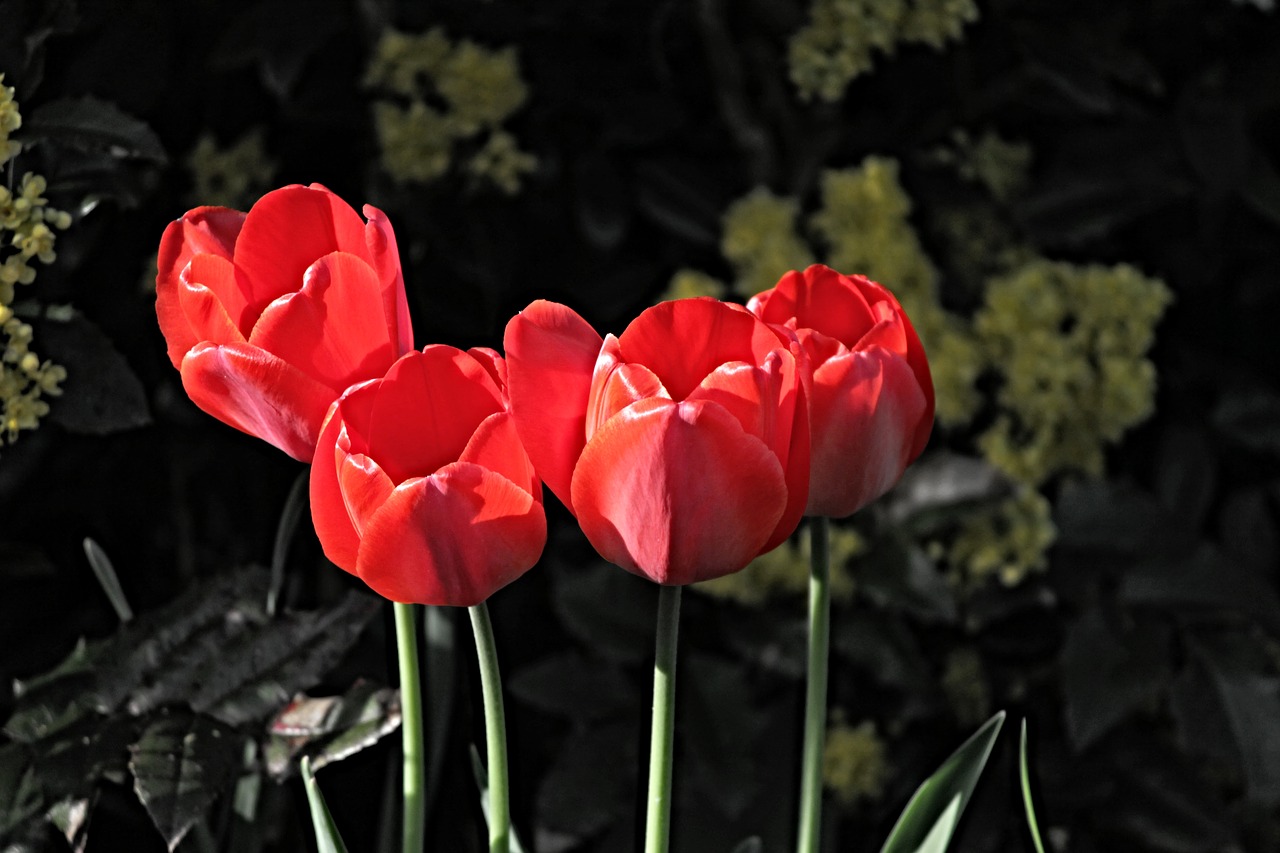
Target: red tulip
x,y
872,403
682,446
270,315
420,485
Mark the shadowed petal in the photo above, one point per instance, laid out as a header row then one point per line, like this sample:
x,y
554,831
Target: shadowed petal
x,y
333,329
866,407
384,255
678,492
211,230
258,393
453,538
365,487
496,447
551,355
337,533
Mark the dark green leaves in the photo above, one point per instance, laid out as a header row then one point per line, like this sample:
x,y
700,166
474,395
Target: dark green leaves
x,y
94,126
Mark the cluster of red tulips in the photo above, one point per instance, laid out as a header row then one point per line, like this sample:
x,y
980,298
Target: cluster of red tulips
x,y
685,446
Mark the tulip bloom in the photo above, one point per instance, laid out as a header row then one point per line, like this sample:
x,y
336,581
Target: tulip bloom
x,y
681,446
872,403
270,315
420,485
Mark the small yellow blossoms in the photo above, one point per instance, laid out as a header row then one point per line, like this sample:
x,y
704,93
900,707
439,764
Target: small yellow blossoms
x,y
1006,541
234,176
842,37
441,97
784,571
761,241
26,236
854,767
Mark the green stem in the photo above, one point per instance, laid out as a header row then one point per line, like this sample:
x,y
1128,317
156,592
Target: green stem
x,y
815,702
415,764
495,726
658,823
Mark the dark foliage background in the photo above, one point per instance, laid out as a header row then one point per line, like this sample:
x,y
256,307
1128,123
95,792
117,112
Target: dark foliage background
x,y
1143,651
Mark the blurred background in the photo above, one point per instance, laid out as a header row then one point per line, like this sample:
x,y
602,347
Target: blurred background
x,y
1077,204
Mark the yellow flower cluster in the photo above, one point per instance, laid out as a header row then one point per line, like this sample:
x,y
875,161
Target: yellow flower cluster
x,y
761,240
842,37
440,94
687,283
230,177
1071,343
784,571
997,164
854,766
26,236
10,120
1007,541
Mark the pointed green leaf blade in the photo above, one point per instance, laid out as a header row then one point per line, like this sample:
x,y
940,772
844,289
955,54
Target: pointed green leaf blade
x,y
928,821
482,782
327,838
1024,776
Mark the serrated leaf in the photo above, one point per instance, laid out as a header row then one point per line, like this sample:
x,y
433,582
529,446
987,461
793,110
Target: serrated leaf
x,y
180,765
330,728
930,818
328,840
571,685
1203,579
71,817
94,125
942,484
102,394
20,795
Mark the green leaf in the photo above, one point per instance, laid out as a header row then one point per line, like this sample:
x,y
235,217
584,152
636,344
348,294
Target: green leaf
x,y
330,728
102,394
20,795
573,686
929,820
609,611
180,765
1024,777
725,764
898,575
327,838
94,125
440,653
939,486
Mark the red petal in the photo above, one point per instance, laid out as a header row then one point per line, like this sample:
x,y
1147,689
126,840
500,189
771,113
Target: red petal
x,y
337,534
867,407
211,230
333,329
211,300
888,332
427,409
453,538
614,386
284,234
255,392
683,340
496,447
551,354
385,257
493,364
365,488
822,299
678,492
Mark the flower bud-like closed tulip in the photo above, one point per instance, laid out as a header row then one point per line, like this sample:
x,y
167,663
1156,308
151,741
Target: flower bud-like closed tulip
x,y
272,314
872,396
681,446
420,485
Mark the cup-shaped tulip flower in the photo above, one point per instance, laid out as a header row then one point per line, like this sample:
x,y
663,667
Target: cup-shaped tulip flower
x,y
420,485
681,446
272,314
872,395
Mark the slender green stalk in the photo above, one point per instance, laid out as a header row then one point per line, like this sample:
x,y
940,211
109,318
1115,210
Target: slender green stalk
x,y
415,759
658,822
815,701
495,726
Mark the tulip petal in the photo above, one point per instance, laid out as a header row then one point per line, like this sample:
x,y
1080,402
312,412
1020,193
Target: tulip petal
x,y
334,527
888,332
453,538
333,329
286,231
551,355
822,299
385,257
208,230
365,488
210,315
258,393
683,340
493,364
678,492
496,447
427,408
615,385
866,409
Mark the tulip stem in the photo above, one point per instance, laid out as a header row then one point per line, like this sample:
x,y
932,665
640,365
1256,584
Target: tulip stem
x,y
815,703
658,823
415,764
495,726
